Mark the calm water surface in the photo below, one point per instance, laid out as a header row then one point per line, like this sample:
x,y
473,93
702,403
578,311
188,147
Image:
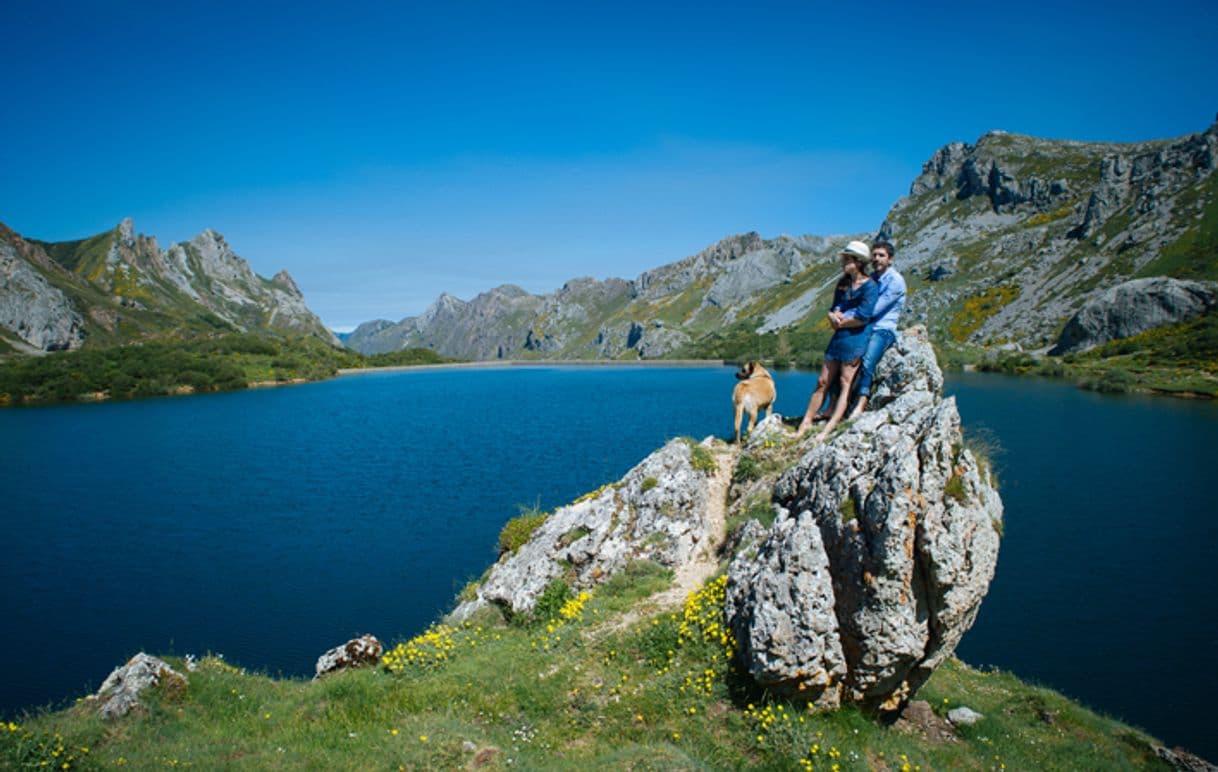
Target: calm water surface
x,y
271,525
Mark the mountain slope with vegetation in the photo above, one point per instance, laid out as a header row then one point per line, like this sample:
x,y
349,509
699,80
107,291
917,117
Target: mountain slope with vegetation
x,y
119,287
1001,242
116,316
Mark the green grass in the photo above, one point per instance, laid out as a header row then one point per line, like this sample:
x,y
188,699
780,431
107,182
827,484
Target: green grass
x,y
847,509
954,489
759,508
406,357
573,692
748,468
83,257
701,458
166,367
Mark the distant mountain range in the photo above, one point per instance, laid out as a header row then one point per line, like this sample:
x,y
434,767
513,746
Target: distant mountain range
x,y
120,287
1001,243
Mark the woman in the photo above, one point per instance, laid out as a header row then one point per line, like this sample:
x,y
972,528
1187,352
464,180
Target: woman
x,y
850,317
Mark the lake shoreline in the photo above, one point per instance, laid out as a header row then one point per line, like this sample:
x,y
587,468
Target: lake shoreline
x,y
493,364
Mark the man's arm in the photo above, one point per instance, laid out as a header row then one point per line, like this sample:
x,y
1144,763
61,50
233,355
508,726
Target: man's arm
x,y
890,294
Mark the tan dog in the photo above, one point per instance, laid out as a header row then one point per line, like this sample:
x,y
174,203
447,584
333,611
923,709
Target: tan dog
x,y
754,392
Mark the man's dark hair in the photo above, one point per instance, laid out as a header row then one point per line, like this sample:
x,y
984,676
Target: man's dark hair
x,y
887,247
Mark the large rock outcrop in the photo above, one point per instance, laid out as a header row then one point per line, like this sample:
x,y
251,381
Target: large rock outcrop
x,y
657,512
1135,307
120,692
885,542
38,312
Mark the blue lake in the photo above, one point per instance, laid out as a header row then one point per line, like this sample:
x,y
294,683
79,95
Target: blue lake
x,y
270,525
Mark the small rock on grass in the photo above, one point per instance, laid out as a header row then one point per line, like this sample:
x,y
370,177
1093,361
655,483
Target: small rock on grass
x,y
963,716
919,718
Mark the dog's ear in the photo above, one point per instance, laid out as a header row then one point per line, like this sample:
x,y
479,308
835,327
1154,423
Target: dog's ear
x,y
751,367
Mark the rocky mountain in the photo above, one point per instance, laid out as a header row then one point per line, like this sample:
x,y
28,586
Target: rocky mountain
x,y
120,286
741,277
1001,243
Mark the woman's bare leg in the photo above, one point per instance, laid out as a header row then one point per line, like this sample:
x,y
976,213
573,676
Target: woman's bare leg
x,y
828,374
848,370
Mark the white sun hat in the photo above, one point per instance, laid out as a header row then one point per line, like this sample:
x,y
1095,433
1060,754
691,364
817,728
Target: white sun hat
x,y
857,249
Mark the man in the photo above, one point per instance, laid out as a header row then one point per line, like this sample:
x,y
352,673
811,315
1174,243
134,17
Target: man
x,y
888,307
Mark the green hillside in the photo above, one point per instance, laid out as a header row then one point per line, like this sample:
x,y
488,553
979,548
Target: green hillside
x,y
580,688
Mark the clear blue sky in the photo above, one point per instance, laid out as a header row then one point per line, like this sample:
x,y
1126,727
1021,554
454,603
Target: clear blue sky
x,y
386,152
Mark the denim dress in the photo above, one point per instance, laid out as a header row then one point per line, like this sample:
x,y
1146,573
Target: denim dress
x,y
848,344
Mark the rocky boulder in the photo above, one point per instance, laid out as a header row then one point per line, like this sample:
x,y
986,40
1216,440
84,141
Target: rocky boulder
x,y
1134,307
120,692
885,542
357,652
657,512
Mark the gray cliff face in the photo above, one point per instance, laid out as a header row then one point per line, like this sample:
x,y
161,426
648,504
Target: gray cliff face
x,y
1135,307
885,542
124,284
39,313
656,512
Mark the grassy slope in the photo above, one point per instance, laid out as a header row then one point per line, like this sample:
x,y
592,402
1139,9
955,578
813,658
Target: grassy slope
x,y
1178,359
566,694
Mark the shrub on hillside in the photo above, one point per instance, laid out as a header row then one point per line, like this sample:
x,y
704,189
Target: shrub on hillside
x,y
520,529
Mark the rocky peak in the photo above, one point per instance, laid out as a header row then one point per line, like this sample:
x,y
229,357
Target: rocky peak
x,y
285,280
942,167
126,232
509,291
679,275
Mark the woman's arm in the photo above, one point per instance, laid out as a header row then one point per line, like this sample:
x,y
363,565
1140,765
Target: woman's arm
x,y
861,313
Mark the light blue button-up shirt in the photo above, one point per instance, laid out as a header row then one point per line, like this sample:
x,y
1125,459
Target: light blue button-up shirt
x,y
891,300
